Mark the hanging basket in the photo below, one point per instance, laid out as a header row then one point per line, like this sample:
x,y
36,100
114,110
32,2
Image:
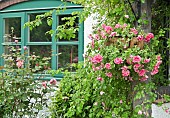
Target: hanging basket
x,y
124,42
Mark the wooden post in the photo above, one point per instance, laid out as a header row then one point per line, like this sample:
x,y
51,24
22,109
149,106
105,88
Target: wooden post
x,y
143,10
146,11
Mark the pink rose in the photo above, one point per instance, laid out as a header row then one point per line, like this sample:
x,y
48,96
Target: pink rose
x,y
136,59
109,74
167,110
158,63
92,44
124,68
149,37
90,36
136,67
25,48
97,37
124,25
102,65
126,16
140,37
99,78
44,84
125,73
117,26
155,71
140,112
147,60
142,72
97,59
103,26
143,79
129,61
96,68
53,81
19,63
108,29
113,34
108,66
158,57
147,40
130,79
103,35
118,60
16,41
134,31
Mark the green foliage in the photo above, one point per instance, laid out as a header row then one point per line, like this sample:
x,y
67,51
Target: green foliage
x,y
160,26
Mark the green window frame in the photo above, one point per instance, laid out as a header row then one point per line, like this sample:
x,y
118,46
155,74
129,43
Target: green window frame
x,y
55,43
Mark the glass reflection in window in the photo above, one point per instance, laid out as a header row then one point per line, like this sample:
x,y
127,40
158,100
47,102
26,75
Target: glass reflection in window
x,y
12,29
68,54
38,34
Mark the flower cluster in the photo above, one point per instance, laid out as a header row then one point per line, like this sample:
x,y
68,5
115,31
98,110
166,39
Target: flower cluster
x,y
53,81
136,66
139,65
127,33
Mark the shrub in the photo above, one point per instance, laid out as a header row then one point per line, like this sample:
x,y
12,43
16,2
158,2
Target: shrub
x,y
118,71
20,94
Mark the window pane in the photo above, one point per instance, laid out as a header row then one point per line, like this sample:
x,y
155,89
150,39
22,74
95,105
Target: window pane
x,y
38,34
68,54
12,29
61,22
40,57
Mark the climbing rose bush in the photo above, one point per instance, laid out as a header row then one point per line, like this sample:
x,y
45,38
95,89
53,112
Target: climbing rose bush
x,y
118,70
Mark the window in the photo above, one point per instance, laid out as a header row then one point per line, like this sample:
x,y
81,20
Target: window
x,y
63,52
60,53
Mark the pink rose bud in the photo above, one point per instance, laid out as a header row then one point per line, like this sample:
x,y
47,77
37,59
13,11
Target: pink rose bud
x,y
140,37
99,78
44,84
140,112
113,34
25,47
20,63
108,66
16,41
109,74
53,81
117,26
126,16
147,60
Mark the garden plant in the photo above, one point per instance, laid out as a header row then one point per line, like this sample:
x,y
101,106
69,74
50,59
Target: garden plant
x,y
22,94
118,70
